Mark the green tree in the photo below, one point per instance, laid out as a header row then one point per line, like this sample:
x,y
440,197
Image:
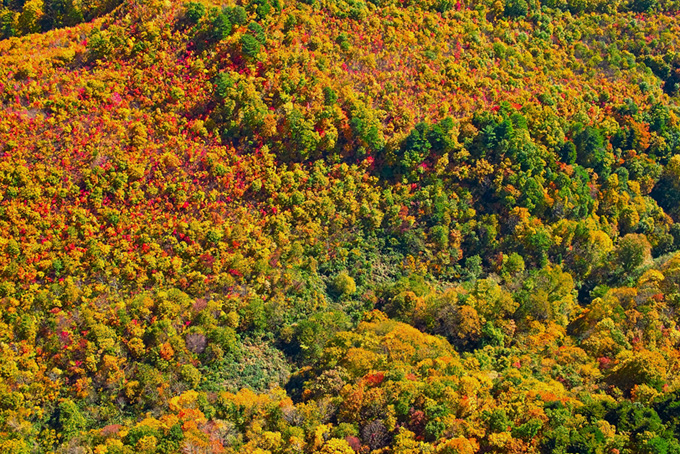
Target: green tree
x,y
250,46
223,83
70,419
8,23
194,12
568,153
667,189
237,15
643,6
516,8
221,27
633,250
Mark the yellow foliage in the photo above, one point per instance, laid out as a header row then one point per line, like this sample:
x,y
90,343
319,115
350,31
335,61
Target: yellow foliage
x,y
500,440
146,444
405,443
336,446
320,435
460,445
651,277
184,401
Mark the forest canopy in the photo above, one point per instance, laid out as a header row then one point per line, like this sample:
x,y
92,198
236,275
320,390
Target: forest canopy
x,y
339,226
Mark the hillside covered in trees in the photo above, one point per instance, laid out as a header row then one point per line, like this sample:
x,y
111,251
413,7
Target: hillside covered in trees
x,y
340,226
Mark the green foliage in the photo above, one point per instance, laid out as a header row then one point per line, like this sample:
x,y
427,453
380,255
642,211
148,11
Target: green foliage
x,y
643,6
402,226
343,284
221,27
223,84
250,46
516,8
70,420
262,8
194,12
633,251
237,15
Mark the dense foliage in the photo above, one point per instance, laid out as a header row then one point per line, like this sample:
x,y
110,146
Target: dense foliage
x,y
340,226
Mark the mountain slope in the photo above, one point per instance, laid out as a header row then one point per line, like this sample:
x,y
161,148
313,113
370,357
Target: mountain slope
x,y
341,227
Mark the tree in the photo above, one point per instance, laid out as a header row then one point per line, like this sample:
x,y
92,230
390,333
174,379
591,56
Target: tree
x,y
375,435
221,27
633,250
343,284
643,6
194,12
439,135
590,148
70,419
223,84
53,14
60,13
460,324
237,15
402,305
516,8
667,189
568,153
8,23
262,8
641,367
257,31
336,446
28,21
250,46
